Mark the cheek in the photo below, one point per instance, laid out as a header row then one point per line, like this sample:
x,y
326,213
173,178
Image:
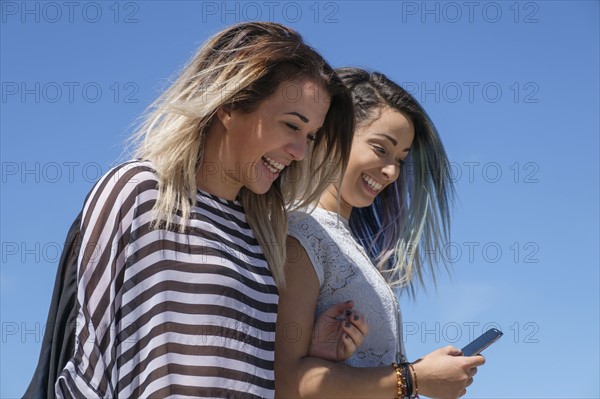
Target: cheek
x,y
359,162
272,135
351,179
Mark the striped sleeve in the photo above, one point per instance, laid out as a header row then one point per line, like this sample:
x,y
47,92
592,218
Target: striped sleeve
x,y
106,224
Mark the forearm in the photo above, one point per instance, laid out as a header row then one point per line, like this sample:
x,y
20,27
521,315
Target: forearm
x,y
315,378
298,375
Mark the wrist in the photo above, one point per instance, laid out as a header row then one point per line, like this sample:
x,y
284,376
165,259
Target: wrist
x,y
420,369
415,384
406,381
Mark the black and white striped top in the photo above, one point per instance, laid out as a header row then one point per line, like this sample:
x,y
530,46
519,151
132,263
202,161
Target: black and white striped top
x,y
165,314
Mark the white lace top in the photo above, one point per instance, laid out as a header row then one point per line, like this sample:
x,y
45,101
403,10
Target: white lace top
x,y
345,272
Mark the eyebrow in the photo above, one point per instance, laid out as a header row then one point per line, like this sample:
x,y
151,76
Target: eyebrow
x,y
393,140
302,117
390,138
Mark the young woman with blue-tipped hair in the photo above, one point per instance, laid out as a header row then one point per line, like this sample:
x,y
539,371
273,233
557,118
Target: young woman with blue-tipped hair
x,y
361,241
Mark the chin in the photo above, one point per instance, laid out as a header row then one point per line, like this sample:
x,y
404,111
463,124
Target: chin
x,y
364,203
259,188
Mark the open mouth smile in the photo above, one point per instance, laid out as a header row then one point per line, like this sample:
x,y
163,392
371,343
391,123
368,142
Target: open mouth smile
x,y
272,165
373,185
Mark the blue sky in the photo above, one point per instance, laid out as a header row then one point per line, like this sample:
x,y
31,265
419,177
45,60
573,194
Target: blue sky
x,y
513,88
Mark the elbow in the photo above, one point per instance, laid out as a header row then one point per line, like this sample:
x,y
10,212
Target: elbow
x,y
287,381
300,379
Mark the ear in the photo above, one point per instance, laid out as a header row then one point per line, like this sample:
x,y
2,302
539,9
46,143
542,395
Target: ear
x,y
224,114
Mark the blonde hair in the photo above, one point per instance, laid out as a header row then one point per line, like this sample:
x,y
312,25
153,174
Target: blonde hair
x,y
411,215
240,67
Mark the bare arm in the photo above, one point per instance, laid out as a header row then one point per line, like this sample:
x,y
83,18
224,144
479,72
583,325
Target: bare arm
x,y
441,374
296,373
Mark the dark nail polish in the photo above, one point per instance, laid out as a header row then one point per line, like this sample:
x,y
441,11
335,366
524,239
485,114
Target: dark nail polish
x,y
347,325
348,312
355,317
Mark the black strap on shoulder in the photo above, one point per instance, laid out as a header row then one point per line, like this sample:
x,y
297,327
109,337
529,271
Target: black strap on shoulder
x,y
58,344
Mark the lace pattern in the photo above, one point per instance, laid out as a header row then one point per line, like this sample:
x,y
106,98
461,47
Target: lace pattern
x,y
345,273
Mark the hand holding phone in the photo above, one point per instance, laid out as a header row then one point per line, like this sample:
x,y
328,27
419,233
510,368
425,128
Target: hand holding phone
x,y
482,342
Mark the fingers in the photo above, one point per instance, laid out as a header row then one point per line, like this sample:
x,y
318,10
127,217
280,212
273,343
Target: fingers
x,y
352,338
450,350
355,328
475,361
338,309
358,320
353,332
347,347
470,374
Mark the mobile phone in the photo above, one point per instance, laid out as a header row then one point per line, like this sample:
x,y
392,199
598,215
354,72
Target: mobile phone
x,y
482,342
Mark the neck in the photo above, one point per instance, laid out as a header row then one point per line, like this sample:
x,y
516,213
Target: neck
x,y
329,202
218,175
215,185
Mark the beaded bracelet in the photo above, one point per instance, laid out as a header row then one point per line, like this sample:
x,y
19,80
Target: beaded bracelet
x,y
406,381
402,387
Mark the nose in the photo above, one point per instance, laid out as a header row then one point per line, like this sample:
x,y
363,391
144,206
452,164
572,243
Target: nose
x,y
297,148
390,171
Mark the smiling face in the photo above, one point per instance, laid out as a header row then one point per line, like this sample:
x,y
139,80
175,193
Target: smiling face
x,y
251,149
379,147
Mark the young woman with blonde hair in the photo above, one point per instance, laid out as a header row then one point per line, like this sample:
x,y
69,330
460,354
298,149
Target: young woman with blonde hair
x,y
182,249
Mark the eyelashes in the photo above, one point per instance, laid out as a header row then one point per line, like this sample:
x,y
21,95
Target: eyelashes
x,y
383,151
310,137
379,149
292,126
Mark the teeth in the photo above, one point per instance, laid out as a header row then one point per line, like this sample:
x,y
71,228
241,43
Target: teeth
x,y
372,183
273,166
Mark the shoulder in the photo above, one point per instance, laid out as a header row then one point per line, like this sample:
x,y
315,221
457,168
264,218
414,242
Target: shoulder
x,y
321,227
132,172
309,238
307,229
120,188
304,224
126,177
